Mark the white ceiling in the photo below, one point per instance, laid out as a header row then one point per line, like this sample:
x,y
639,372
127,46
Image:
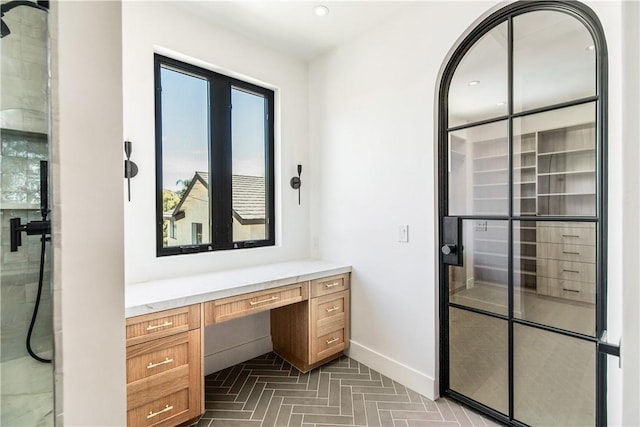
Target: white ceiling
x,y
291,26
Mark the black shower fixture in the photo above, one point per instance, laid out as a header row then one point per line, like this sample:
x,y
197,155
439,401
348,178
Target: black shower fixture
x,y
6,7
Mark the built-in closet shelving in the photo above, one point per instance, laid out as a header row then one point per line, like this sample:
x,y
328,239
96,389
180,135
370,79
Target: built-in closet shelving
x,y
553,175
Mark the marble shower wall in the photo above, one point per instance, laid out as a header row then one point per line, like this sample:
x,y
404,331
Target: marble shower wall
x,y
24,124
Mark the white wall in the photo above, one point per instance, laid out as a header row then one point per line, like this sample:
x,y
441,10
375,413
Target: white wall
x,y
88,214
373,146
631,213
372,137
167,28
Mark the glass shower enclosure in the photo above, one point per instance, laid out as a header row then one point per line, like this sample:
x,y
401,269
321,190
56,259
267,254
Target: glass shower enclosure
x,y
26,384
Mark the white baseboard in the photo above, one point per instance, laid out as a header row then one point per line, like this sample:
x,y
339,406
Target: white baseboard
x,y
231,356
405,375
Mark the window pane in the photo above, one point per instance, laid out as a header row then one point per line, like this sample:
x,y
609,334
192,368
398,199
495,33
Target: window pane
x,y
479,170
185,158
554,60
554,378
564,162
555,274
479,358
249,141
478,89
481,282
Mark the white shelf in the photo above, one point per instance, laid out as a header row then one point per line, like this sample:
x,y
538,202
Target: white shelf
x,y
504,184
565,194
505,169
490,185
491,156
566,173
502,255
489,267
575,150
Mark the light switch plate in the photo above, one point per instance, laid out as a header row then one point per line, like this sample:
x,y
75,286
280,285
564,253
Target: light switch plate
x,y
403,233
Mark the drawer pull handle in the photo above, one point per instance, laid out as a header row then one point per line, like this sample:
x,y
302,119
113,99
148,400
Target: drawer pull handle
x,y
162,325
273,298
332,340
164,362
571,253
332,284
334,308
570,271
570,290
571,235
162,411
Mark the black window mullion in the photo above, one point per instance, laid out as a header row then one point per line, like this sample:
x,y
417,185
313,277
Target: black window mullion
x,y
220,173
158,129
270,169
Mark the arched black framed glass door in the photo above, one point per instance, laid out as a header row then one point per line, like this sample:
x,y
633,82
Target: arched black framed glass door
x,y
522,198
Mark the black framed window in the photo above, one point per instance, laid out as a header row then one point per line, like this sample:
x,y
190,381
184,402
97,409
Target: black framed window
x,y
214,160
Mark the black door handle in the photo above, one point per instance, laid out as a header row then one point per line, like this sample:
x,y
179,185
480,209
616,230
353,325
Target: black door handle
x,y
451,248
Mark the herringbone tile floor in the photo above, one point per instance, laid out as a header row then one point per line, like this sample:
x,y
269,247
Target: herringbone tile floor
x,y
267,391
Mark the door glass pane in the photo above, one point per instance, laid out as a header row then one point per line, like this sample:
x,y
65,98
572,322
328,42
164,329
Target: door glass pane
x,y
248,130
561,173
185,157
554,378
478,89
555,274
554,60
479,170
478,358
482,280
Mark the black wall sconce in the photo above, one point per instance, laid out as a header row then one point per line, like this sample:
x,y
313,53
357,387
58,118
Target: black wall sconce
x,y
130,168
296,183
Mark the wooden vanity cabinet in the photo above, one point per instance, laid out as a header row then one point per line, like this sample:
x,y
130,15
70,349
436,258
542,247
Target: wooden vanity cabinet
x,y
315,331
309,326
164,368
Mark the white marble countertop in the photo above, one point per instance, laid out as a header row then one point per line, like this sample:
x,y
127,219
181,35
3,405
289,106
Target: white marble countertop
x,y
157,295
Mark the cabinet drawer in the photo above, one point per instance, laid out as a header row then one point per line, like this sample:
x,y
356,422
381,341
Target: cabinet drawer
x,y
568,289
255,302
330,305
565,252
157,356
162,324
327,345
328,285
329,313
568,270
169,410
585,234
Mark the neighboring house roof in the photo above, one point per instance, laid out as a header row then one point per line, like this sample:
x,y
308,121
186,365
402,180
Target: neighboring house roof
x,y
248,197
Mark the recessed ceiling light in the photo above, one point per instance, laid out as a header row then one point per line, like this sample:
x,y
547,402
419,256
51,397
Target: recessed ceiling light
x,y
590,47
501,103
321,10
474,82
